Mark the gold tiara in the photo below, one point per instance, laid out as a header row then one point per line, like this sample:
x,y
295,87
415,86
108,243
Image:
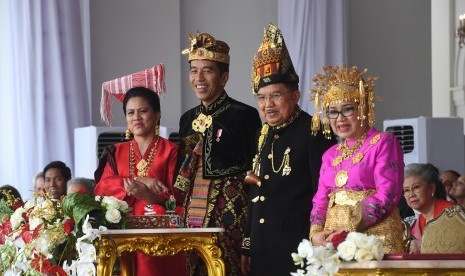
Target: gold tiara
x,y
342,84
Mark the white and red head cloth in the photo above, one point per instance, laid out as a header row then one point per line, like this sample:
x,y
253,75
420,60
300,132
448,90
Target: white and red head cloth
x,y
152,78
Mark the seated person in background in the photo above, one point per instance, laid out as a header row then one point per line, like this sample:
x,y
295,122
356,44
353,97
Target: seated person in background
x,y
56,175
39,183
80,184
447,179
420,191
15,193
458,190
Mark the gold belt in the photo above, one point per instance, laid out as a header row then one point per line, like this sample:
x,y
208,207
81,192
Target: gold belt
x,y
348,197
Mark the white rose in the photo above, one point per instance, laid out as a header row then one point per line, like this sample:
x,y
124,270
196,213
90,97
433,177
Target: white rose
x,y
361,240
378,250
17,218
110,202
97,198
34,222
113,215
29,204
347,250
123,206
363,255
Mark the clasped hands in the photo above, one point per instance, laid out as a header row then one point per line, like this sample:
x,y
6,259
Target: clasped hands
x,y
147,189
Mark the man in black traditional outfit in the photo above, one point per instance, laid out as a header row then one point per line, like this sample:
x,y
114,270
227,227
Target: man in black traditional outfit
x,y
216,151
286,165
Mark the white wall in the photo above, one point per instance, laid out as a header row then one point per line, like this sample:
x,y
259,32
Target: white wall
x,y
393,40
240,23
128,36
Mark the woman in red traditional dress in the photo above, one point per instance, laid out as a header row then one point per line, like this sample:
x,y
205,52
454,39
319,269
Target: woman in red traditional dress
x,y
141,170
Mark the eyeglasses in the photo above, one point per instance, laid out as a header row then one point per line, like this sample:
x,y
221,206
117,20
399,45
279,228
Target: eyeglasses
x,y
346,111
275,97
412,189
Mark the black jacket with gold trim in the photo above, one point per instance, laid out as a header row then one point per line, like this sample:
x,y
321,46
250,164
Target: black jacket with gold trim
x,y
279,210
229,143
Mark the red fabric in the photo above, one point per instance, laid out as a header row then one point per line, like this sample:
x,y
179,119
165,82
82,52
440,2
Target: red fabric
x,y
439,206
162,168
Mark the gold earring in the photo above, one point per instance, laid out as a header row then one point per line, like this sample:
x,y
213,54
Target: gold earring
x,y
127,134
157,129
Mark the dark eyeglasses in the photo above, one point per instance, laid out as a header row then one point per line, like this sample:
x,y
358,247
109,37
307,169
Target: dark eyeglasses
x,y
346,111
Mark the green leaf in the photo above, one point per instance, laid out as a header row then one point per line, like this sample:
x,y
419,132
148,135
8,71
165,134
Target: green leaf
x,y
5,209
77,206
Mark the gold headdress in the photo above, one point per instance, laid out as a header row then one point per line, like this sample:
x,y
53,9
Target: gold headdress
x,y
272,63
338,85
205,47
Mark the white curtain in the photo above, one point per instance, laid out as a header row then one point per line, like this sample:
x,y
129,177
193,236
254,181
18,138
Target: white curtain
x,y
44,88
315,32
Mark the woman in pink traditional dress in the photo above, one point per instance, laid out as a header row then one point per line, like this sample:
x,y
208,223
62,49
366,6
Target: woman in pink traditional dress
x,y
140,171
361,177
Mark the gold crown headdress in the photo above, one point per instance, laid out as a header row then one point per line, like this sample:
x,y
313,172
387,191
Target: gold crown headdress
x,y
338,85
205,47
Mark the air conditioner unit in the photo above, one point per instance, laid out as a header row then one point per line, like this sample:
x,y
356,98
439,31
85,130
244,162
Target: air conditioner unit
x,y
90,141
439,141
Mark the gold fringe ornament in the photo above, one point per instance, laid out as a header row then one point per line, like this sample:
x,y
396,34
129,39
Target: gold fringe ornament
x,y
342,84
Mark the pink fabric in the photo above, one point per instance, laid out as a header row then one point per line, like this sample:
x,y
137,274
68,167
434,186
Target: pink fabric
x,y
381,169
152,78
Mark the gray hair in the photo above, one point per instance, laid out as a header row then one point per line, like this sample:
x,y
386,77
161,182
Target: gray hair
x,y
426,171
87,183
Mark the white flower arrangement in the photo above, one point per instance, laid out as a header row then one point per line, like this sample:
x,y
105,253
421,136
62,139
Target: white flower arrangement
x,y
55,237
325,260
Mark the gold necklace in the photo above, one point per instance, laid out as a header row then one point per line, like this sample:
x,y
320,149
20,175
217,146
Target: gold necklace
x,y
284,163
343,175
143,166
346,151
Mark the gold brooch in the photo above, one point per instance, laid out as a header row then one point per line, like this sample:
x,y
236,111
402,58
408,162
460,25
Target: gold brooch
x,y
202,123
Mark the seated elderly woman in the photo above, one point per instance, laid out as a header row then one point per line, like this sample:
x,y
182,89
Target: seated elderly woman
x,y
458,190
420,191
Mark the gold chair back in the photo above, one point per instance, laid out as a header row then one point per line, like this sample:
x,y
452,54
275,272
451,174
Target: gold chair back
x,y
446,233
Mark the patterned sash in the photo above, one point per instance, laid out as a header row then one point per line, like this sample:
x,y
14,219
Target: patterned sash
x,y
197,208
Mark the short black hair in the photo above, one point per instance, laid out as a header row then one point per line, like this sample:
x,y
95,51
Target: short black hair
x,y
455,173
222,67
65,171
148,94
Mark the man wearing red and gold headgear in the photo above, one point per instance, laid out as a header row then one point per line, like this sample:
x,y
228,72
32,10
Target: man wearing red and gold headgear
x,y
286,165
218,146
